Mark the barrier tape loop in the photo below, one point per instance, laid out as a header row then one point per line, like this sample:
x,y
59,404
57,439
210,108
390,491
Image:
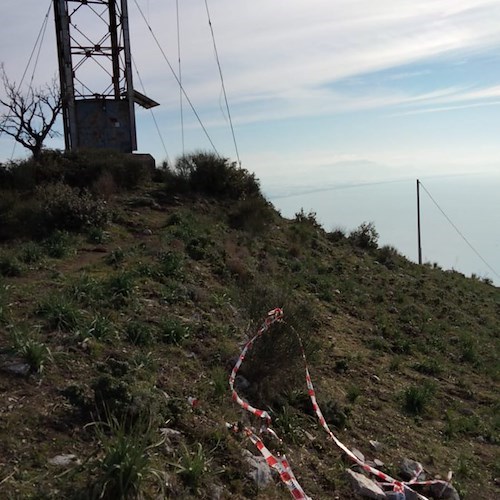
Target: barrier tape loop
x,y
279,463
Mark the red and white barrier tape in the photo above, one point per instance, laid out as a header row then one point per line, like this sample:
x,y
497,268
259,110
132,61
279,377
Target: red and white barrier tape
x,y
280,464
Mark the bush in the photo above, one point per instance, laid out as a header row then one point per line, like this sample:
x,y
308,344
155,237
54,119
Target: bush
x,y
251,214
100,170
212,175
277,355
9,266
365,236
387,255
65,208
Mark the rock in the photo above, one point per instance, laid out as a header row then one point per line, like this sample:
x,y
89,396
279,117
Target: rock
x,y
395,495
378,463
147,232
376,445
364,486
216,492
444,491
241,383
172,438
358,454
260,472
64,460
409,469
18,368
309,436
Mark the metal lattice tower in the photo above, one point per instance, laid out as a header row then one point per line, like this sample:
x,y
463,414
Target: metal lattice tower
x,y
96,74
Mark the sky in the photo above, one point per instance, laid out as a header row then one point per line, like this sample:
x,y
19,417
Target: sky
x,y
322,93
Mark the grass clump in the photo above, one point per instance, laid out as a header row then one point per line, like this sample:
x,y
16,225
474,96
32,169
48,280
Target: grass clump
x,y
59,313
416,398
99,328
172,331
119,288
34,352
193,466
139,333
31,253
58,244
125,460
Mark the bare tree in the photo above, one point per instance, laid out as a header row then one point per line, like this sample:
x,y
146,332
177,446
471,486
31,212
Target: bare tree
x,y
29,117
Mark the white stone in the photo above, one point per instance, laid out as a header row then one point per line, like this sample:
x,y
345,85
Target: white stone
x,y
364,486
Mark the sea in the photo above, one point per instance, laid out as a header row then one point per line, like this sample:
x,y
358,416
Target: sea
x,y
460,217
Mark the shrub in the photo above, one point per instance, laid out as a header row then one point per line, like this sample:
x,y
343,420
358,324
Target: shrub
x,y
365,236
112,396
307,218
170,263
66,208
336,235
276,355
9,266
288,424
212,175
115,258
387,255
251,214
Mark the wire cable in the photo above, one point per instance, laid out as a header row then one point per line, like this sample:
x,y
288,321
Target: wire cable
x,y
151,111
177,79
180,74
222,82
37,58
459,232
41,32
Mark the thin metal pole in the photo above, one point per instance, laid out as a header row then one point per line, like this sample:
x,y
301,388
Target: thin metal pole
x,y
418,224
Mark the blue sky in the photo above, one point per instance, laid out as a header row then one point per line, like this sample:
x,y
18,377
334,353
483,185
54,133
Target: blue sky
x,y
317,87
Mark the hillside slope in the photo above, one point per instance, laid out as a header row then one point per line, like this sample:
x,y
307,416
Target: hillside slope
x,y
110,334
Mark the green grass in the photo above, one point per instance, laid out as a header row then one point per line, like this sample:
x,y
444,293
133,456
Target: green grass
x,y
59,313
417,398
33,351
